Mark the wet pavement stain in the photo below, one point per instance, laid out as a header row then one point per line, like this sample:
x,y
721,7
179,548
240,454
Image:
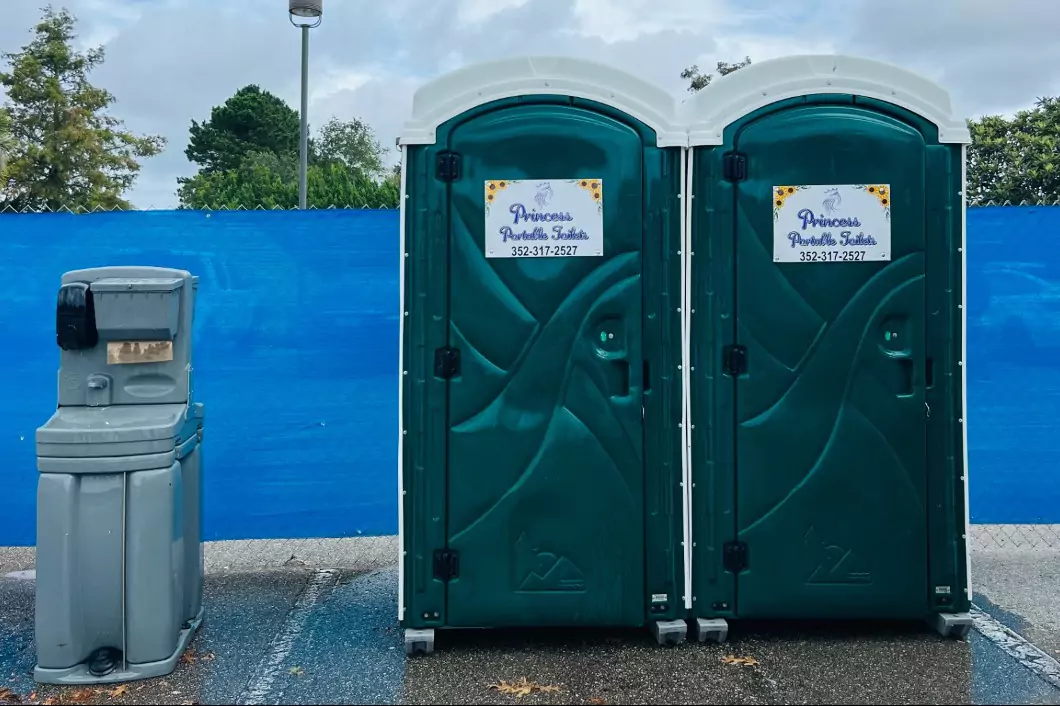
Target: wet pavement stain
x,y
1009,619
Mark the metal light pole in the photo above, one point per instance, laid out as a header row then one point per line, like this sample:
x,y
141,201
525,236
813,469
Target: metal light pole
x,y
309,14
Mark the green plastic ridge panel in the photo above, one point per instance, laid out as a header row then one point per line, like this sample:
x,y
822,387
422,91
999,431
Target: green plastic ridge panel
x,y
541,458
827,349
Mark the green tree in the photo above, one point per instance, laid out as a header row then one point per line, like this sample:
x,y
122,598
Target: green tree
x,y
393,176
7,141
68,151
697,80
351,144
250,121
267,180
1016,160
247,154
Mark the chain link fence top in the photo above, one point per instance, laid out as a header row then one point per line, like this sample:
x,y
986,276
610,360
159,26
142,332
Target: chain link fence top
x,y
986,203
78,210
81,210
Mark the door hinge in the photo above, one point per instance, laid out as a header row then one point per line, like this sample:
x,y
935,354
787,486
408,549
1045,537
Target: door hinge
x,y
734,166
446,564
734,360
446,363
448,166
735,557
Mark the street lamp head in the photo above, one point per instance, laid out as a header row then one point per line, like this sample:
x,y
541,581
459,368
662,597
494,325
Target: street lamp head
x,y
310,10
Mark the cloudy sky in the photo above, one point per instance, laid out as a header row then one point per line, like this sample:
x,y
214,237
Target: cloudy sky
x,y
169,61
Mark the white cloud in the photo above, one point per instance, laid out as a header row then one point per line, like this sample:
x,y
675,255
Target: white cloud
x,y
471,12
626,20
169,61
337,80
993,56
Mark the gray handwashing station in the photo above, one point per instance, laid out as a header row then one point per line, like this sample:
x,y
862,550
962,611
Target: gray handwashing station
x,y
119,500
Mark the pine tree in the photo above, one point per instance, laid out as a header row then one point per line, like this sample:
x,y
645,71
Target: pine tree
x,y
68,151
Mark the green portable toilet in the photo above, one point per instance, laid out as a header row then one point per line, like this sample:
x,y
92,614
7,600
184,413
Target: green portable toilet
x,y
826,331
541,451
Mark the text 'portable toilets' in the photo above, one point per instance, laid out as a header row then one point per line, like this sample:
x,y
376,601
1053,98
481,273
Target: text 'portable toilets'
x,y
541,454
119,549
826,359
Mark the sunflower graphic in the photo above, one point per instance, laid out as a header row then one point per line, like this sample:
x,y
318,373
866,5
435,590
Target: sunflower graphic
x,y
496,186
782,194
882,192
493,189
595,187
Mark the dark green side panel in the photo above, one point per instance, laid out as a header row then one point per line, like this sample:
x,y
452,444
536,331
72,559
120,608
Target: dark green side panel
x,y
833,460
556,482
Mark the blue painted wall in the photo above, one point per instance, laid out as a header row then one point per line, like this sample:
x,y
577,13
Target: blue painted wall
x,y
296,360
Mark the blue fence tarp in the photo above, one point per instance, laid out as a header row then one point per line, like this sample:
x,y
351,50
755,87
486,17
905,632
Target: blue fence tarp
x,y
1013,293
296,359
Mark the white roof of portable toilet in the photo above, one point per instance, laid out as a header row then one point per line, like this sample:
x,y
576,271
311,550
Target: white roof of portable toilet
x,y
731,97
459,91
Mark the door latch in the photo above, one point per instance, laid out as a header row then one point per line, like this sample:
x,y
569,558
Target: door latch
x,y
734,360
446,363
446,564
734,557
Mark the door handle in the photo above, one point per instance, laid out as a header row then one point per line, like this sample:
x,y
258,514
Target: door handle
x,y
905,377
621,377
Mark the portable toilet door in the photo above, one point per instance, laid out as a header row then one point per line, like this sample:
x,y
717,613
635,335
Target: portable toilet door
x,y
541,439
826,332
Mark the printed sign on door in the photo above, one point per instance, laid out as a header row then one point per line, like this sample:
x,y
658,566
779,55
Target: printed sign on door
x,y
545,218
845,223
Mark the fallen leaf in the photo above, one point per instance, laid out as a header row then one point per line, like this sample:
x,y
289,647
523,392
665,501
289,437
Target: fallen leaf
x,y
523,687
118,691
740,661
519,689
33,696
9,697
296,671
189,657
597,701
207,656
50,701
81,696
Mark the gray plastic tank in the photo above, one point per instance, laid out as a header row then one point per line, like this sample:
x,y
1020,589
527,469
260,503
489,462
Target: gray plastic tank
x,y
119,499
